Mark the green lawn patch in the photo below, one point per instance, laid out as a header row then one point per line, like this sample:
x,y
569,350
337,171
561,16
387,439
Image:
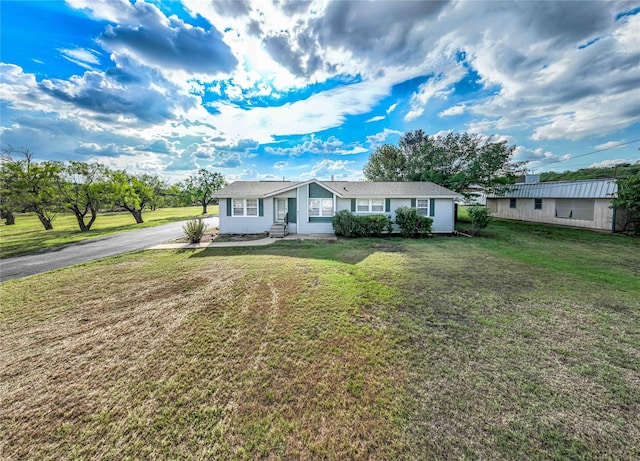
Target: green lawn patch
x,y
522,345
27,234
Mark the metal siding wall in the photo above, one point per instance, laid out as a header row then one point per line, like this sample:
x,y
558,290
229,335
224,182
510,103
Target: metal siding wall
x,y
525,212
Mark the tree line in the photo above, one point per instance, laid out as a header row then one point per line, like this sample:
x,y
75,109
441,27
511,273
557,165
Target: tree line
x,y
50,187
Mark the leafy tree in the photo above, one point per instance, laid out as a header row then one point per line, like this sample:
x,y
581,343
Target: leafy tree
x,y
83,189
387,163
628,199
622,170
480,218
454,160
201,187
31,186
133,193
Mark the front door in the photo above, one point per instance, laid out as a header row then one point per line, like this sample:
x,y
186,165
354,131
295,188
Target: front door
x,y
281,209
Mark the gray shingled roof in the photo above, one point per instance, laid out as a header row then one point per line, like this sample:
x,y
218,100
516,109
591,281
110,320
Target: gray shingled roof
x,y
589,188
369,189
347,189
253,189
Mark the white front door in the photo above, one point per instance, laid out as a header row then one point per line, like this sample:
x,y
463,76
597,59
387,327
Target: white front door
x,y
281,209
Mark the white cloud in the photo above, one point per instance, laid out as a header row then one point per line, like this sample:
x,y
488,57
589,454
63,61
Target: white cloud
x,y
614,162
391,108
82,57
315,145
453,110
377,118
609,145
439,86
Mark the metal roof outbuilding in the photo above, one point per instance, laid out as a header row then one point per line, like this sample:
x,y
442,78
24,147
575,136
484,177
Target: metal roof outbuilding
x,y
589,188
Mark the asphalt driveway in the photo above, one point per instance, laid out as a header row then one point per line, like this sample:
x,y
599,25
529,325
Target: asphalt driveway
x,y
90,250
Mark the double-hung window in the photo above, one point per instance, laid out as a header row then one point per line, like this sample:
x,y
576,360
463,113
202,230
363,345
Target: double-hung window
x,y
373,205
320,207
245,207
422,205
537,204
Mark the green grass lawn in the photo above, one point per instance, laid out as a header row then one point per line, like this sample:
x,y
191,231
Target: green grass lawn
x,y
27,234
521,345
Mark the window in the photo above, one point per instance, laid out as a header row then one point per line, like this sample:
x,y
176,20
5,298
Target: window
x,y
320,207
575,209
245,207
374,205
512,203
537,204
422,205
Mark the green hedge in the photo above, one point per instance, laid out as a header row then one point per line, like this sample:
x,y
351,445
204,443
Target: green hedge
x,y
411,223
347,224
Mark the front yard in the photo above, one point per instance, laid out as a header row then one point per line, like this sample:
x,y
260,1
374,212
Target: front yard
x,y
524,344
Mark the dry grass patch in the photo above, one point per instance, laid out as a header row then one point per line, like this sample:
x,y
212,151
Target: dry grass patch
x,y
523,345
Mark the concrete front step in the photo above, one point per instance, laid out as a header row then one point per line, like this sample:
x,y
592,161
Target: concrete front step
x,y
278,230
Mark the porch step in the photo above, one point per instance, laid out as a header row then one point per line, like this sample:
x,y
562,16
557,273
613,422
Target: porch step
x,y
278,230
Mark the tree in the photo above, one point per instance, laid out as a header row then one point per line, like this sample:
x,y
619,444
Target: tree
x,y
454,160
480,218
387,163
82,188
133,193
201,187
31,185
628,199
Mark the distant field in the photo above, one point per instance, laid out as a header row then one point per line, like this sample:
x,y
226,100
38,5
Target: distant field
x,y
521,345
28,234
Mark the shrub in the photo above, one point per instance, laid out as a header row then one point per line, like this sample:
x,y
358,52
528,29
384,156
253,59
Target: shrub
x,y
480,218
411,223
346,224
372,225
194,230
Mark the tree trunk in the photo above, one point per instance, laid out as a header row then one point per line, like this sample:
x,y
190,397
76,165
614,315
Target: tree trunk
x,y
94,214
9,218
137,214
83,226
46,222
204,207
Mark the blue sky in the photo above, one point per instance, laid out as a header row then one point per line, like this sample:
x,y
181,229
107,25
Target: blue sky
x,y
302,89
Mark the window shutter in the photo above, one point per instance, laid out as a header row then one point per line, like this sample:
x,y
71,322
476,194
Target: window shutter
x,y
260,207
387,205
229,207
432,207
353,205
413,203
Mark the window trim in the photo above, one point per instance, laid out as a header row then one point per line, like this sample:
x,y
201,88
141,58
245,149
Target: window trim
x,y
370,205
245,208
320,207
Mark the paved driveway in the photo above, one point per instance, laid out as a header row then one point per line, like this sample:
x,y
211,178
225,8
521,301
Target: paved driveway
x,y
89,250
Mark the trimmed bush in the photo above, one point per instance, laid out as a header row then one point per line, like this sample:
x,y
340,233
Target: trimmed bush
x,y
194,230
347,224
411,223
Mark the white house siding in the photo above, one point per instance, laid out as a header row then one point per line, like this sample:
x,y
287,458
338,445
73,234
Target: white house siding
x,y
304,226
524,211
443,220
246,225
